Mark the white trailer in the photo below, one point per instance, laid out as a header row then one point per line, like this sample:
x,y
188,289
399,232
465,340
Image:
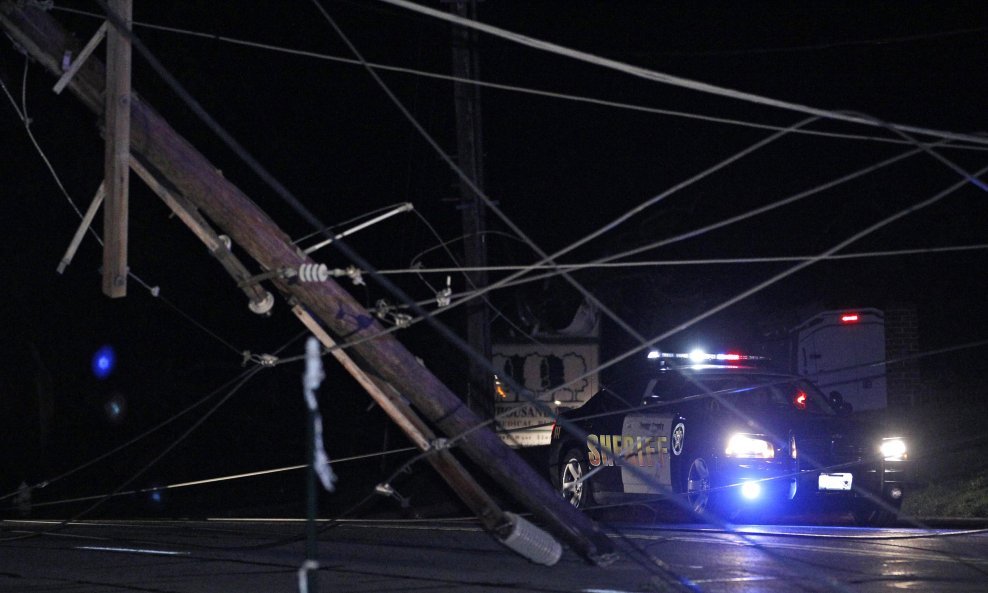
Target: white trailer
x,y
844,351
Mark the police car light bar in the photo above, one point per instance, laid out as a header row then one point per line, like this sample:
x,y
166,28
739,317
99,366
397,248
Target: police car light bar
x,y
701,356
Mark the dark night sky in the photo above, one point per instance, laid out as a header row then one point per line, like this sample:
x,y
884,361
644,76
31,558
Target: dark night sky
x,y
558,168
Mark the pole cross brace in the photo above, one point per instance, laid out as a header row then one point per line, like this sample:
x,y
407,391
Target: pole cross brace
x,y
72,66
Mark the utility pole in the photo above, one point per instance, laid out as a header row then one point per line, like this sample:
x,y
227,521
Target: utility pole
x,y
470,158
191,174
117,159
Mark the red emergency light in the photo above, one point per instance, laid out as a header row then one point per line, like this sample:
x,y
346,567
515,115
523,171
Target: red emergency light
x,y
849,318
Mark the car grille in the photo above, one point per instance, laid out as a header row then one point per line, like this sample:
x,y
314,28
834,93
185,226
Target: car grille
x,y
827,452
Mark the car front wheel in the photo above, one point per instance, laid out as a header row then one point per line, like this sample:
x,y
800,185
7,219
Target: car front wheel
x,y
698,485
573,486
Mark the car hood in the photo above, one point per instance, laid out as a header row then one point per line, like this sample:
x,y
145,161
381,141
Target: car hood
x,y
829,440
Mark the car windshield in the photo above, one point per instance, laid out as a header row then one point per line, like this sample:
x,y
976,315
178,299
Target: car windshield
x,y
748,393
791,395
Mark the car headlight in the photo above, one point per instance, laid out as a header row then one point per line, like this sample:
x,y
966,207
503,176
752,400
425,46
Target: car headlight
x,y
893,449
747,446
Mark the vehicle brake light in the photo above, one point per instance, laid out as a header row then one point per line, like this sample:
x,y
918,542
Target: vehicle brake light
x,y
800,400
849,318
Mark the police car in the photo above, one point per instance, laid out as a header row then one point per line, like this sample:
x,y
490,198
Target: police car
x,y
724,436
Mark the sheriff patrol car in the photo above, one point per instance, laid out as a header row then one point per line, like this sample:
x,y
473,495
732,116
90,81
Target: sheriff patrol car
x,y
724,436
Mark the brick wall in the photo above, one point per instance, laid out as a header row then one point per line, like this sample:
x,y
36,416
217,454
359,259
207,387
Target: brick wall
x,y
905,386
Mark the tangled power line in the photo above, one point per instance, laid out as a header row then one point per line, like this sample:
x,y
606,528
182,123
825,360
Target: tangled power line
x,y
547,259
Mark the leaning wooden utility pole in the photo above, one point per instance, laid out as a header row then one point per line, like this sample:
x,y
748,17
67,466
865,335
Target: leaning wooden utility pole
x,y
241,219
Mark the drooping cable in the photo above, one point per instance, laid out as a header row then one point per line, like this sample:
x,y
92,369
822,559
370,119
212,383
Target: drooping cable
x,y
444,245
687,262
215,480
487,202
881,41
733,219
129,443
242,380
669,79
283,192
466,180
511,88
788,272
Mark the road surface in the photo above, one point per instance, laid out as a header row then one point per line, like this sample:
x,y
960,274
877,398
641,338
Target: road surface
x,y
265,555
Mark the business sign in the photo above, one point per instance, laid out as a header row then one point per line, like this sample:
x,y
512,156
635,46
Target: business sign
x,y
561,375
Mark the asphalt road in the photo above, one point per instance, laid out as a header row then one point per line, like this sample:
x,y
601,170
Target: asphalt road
x,y
243,557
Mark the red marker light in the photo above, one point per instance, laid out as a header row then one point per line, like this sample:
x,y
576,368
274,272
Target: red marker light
x,y
849,318
800,400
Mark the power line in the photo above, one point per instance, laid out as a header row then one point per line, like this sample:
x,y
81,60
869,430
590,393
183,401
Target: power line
x,y
513,280
514,228
688,262
465,179
669,79
600,264
785,273
400,107
831,44
891,219
722,223
757,288
910,358
973,179
511,88
284,194
241,381
219,479
444,245
45,483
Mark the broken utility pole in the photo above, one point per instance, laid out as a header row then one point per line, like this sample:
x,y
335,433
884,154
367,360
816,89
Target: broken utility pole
x,y
189,172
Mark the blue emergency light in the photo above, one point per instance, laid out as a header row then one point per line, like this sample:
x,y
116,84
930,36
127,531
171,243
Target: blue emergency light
x,y
104,361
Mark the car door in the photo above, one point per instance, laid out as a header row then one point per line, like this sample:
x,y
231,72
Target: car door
x,y
644,452
605,441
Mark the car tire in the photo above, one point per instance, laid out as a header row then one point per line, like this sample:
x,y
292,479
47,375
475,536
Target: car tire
x,y
696,485
572,467
870,515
